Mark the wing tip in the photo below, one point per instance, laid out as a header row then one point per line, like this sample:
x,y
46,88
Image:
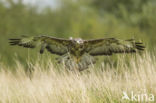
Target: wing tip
x,y
14,41
137,45
17,41
140,46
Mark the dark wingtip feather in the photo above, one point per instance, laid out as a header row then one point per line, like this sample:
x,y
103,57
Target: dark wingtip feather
x,y
13,44
13,41
138,43
130,39
140,47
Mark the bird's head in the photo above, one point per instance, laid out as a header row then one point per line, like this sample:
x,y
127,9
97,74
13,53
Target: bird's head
x,y
78,40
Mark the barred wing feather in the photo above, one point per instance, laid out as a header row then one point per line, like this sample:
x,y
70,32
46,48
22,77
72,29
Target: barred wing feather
x,y
54,45
108,46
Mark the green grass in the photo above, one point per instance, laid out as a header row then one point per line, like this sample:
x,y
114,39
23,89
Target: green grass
x,y
86,19
46,84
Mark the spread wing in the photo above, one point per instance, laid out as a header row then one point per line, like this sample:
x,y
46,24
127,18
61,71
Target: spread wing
x,y
108,46
54,45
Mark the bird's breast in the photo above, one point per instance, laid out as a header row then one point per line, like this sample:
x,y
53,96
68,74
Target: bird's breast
x,y
77,50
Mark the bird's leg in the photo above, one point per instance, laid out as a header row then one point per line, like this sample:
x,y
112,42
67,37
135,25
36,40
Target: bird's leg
x,y
85,61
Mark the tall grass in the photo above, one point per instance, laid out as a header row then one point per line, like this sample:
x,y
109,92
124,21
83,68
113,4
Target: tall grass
x,y
47,84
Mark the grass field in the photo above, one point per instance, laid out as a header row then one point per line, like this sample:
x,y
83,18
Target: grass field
x,y
46,84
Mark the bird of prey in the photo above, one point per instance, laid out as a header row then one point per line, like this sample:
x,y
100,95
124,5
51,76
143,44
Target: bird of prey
x,y
78,54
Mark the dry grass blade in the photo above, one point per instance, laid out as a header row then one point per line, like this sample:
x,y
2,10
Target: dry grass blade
x,y
95,86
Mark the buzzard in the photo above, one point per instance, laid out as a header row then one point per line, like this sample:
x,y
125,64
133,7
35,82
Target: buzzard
x,y
78,54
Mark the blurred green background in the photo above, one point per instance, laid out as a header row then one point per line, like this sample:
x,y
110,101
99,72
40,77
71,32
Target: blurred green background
x,y
88,19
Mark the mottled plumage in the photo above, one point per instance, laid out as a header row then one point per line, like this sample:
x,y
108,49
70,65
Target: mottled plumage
x,y
78,53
